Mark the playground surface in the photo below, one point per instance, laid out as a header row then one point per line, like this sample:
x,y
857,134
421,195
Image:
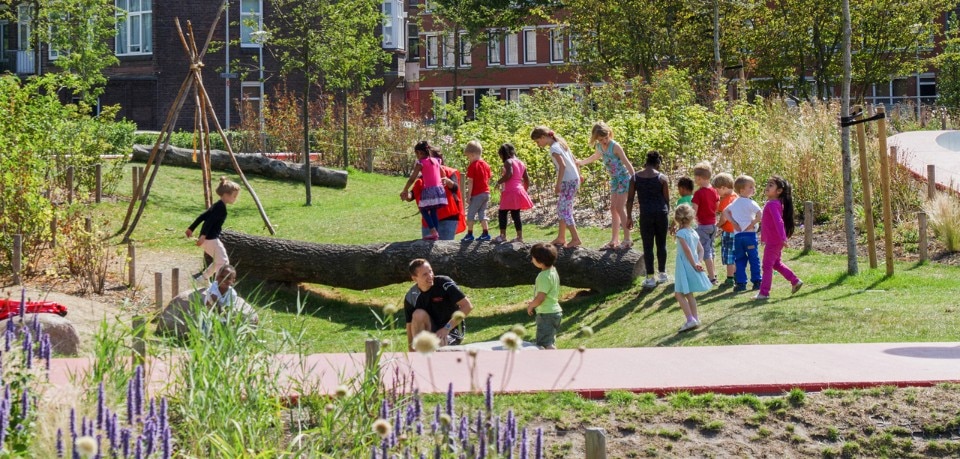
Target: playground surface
x,y
918,149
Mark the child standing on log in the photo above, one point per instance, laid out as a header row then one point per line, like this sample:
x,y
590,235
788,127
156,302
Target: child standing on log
x,y
546,294
433,196
621,170
689,276
513,196
568,182
212,220
776,225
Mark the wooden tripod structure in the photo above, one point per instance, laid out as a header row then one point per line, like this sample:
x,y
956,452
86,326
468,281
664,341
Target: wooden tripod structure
x,y
192,84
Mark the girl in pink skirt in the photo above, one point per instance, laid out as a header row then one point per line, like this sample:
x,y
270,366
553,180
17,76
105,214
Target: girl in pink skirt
x,y
513,197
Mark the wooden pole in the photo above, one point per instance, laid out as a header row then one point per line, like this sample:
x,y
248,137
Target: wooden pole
x,y
88,224
931,181
98,178
70,184
885,191
17,257
849,228
596,443
372,352
158,290
132,260
53,232
922,223
867,196
807,226
175,282
135,181
369,159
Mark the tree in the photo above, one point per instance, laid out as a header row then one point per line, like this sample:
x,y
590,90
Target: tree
x,y
332,44
948,65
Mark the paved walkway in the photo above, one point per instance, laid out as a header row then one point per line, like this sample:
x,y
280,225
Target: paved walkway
x,y
759,369
917,149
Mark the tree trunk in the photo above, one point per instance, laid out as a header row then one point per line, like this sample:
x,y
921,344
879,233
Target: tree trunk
x,y
251,164
477,264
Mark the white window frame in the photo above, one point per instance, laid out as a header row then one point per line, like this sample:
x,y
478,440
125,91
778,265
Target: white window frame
x,y
511,49
258,85
494,92
247,19
557,42
513,94
529,46
466,51
441,95
494,47
53,53
449,48
24,27
4,40
137,23
572,48
431,46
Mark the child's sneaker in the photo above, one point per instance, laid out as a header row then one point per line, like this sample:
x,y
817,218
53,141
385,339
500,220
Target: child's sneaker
x,y
755,286
467,238
760,297
197,277
739,287
649,283
662,278
729,281
714,281
796,287
484,237
690,325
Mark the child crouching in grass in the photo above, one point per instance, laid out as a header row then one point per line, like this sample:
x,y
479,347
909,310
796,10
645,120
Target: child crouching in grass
x,y
546,293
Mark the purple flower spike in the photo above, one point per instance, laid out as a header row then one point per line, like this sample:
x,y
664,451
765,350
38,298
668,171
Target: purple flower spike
x,y
28,348
73,423
167,445
450,400
482,454
488,394
164,422
130,402
436,414
59,443
138,392
9,337
373,452
437,452
101,396
523,444
138,450
538,446
125,442
25,404
23,304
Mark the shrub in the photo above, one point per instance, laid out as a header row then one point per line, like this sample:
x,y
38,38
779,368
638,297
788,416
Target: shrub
x,y
944,215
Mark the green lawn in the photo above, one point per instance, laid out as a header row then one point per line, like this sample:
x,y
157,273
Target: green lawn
x,y
916,304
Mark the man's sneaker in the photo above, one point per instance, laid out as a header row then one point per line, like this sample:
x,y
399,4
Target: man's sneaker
x,y
760,297
467,238
649,283
739,287
690,325
796,287
484,237
756,286
661,278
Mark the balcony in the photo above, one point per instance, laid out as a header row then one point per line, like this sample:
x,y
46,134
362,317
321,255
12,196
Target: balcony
x,y
19,62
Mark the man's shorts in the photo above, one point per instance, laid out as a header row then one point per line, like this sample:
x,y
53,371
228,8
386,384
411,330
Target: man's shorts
x,y
726,248
477,210
547,327
706,234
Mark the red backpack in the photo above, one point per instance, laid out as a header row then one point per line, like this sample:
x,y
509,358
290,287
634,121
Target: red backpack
x,y
10,308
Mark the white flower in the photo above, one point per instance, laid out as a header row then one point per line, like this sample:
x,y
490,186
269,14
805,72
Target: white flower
x,y
426,342
519,330
511,341
342,391
382,427
390,309
586,331
86,446
458,317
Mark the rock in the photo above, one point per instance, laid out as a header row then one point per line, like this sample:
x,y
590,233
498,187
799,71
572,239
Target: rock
x,y
172,320
63,335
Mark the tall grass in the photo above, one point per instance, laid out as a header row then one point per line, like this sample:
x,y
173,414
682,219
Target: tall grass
x,y
944,214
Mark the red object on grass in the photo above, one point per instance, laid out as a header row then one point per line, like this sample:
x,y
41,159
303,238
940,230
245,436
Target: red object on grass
x,y
10,308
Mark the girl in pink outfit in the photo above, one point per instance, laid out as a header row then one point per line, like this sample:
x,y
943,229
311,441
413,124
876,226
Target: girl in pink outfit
x,y
433,196
776,225
514,197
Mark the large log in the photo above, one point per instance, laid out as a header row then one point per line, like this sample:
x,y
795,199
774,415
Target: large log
x,y
476,264
250,164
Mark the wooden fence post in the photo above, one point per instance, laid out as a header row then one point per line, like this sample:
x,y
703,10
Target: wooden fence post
x,y
17,254
369,159
807,226
139,339
158,289
596,443
132,255
98,177
371,351
931,181
922,223
88,224
175,283
70,184
135,176
53,232
867,196
885,190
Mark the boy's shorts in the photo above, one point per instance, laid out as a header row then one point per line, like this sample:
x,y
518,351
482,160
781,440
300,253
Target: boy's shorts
x,y
726,248
477,210
706,234
547,327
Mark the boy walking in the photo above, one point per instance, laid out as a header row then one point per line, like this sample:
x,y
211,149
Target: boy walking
x,y
478,184
705,202
546,293
723,182
745,214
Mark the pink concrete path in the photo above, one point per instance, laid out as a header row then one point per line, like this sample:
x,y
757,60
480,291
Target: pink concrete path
x,y
759,369
917,149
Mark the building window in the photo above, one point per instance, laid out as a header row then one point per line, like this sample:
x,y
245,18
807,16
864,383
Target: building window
x,y
393,24
251,20
466,51
556,45
433,51
448,50
513,95
495,93
134,27
510,42
413,43
24,27
251,95
441,96
493,50
530,46
4,41
572,49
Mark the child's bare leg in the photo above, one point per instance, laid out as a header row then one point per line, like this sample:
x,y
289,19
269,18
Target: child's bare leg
x,y
561,238
711,272
692,302
470,226
618,214
484,226
731,270
574,237
684,306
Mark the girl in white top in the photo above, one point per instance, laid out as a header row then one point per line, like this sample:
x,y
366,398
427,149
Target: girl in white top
x,y
568,182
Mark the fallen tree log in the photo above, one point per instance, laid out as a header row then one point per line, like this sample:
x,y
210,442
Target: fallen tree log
x,y
476,264
250,164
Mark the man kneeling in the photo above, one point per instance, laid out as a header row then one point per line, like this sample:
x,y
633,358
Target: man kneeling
x,y
430,305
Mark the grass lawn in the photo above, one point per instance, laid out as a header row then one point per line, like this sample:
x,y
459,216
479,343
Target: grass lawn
x,y
916,304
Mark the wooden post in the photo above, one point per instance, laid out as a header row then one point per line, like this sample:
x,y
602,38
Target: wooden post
x,y
175,282
88,224
369,159
98,177
596,443
943,120
867,196
132,255
139,339
807,226
372,351
53,232
158,289
885,190
135,176
70,184
922,223
17,254
931,181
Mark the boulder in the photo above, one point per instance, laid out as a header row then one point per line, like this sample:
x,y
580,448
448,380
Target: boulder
x,y
172,320
63,335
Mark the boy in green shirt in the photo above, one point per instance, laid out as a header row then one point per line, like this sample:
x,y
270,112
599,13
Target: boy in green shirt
x,y
546,292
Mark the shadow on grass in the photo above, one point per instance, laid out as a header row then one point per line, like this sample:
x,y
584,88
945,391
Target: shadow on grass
x,y
282,299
